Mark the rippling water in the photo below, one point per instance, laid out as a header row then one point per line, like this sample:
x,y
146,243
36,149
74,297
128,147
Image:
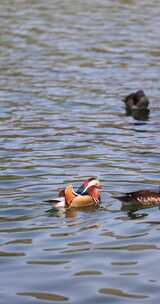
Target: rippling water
x,y
65,66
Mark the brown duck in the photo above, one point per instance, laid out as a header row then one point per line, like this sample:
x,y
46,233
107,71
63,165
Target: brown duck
x,y
137,105
141,198
137,100
86,195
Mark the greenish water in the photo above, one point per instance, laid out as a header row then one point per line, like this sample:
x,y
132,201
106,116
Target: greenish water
x,y
65,66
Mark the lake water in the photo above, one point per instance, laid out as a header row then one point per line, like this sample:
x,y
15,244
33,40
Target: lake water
x,y
65,67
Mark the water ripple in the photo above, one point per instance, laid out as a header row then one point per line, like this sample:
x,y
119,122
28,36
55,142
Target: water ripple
x,y
66,67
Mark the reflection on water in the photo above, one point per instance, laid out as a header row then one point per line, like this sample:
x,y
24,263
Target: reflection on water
x,y
141,115
120,293
44,296
65,67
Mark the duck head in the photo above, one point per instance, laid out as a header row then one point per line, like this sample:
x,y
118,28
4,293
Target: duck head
x,y
88,185
92,184
83,188
91,190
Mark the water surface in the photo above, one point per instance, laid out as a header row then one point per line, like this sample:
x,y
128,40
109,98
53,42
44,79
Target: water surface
x,y
65,66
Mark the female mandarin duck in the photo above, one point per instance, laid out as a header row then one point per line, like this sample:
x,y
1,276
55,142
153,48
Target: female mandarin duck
x,y
141,198
86,195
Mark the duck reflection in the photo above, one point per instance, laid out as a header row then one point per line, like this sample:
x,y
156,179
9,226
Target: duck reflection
x,y
71,213
140,115
135,211
136,215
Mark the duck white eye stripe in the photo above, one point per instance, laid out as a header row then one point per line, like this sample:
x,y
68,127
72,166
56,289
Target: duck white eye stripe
x,y
94,182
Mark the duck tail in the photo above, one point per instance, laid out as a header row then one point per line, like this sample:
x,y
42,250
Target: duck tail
x,y
57,202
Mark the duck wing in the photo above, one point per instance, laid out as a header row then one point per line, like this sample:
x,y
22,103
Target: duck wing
x,y
70,194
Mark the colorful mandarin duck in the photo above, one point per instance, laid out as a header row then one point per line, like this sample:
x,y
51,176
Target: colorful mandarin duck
x,y
137,105
141,198
86,195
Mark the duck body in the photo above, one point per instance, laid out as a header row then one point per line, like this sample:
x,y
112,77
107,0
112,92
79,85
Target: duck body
x,y
86,195
137,105
141,198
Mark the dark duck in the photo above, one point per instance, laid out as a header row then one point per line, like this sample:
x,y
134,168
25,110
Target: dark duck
x,y
140,199
137,105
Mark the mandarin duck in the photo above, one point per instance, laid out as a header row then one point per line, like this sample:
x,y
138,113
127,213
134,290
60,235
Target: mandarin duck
x,y
86,195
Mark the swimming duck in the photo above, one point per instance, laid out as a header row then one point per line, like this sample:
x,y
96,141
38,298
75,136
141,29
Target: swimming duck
x,y
137,100
86,195
141,198
137,105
